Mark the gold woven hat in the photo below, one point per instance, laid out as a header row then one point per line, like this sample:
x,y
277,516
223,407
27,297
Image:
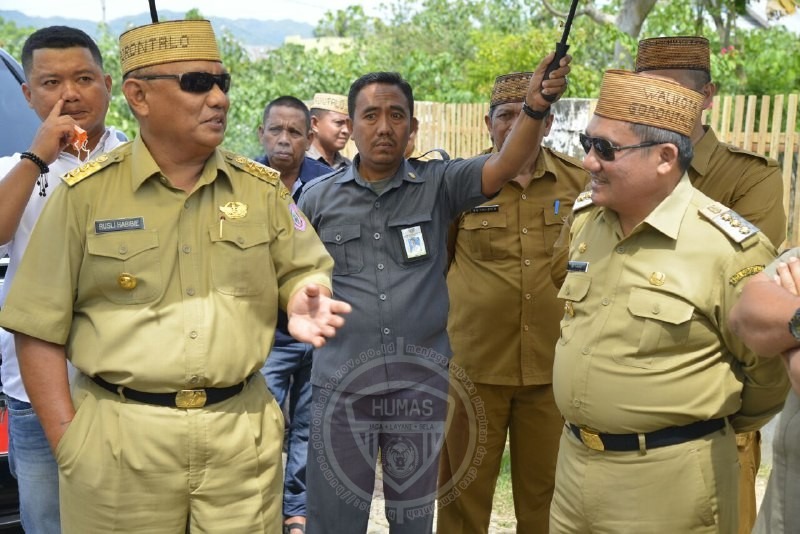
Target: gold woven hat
x,y
689,52
167,42
510,87
331,102
642,99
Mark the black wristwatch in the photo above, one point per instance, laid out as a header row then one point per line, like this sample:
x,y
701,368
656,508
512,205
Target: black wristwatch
x,y
794,324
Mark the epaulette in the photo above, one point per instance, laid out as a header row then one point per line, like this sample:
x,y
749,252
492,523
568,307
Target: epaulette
x,y
737,228
741,151
92,166
259,170
583,200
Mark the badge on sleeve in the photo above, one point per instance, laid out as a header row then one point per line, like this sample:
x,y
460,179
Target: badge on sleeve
x,y
297,217
413,242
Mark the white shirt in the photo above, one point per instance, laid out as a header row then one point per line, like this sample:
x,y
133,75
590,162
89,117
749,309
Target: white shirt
x,y
9,371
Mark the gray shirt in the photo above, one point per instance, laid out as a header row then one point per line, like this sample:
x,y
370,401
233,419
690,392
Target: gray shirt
x,y
390,259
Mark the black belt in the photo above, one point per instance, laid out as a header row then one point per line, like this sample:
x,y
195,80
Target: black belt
x,y
658,438
186,398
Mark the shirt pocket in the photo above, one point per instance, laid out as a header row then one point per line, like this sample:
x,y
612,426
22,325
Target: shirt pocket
x,y
662,321
239,258
484,233
411,239
573,291
126,265
553,223
344,247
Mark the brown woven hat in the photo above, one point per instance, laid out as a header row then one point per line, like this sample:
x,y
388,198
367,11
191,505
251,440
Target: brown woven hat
x,y
510,88
330,102
690,52
642,99
167,42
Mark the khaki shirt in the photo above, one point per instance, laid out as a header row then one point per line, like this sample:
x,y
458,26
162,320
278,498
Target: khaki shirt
x,y
501,269
748,183
155,289
644,338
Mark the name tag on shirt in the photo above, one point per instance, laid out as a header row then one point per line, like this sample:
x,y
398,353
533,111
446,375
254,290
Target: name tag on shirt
x,y
577,266
413,242
485,209
118,225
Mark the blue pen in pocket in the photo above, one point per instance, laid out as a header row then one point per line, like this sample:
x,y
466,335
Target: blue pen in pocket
x,y
556,205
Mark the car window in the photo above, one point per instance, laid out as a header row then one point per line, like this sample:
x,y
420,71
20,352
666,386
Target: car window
x,y
18,122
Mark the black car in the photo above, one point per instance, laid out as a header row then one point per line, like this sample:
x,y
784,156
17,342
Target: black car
x,y
19,124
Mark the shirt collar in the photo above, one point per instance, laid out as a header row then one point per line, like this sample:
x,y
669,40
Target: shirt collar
x,y
703,151
405,172
143,166
668,215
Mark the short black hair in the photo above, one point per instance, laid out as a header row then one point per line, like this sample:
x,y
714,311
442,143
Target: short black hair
x,y
390,78
287,101
655,134
57,37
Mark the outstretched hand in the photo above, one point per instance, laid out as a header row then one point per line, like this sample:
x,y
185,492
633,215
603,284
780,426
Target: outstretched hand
x,y
314,316
553,87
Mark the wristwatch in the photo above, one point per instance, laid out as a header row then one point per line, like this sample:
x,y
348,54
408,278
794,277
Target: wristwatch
x,y
794,324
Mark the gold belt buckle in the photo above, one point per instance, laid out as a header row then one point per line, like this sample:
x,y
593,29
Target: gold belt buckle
x,y
190,398
591,439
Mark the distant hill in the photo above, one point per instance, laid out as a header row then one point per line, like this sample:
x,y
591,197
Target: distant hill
x,y
253,33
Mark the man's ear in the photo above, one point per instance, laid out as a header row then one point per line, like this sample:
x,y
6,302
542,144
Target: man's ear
x,y
548,123
136,95
667,158
414,124
709,90
26,92
314,123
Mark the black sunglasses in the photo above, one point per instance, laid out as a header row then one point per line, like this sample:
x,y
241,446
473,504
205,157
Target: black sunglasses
x,y
195,82
605,149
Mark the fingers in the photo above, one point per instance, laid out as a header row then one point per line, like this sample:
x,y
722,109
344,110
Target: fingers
x,y
788,275
56,111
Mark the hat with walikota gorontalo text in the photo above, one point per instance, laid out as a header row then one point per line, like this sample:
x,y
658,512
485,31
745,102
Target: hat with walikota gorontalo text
x,y
682,52
167,42
644,99
512,87
330,102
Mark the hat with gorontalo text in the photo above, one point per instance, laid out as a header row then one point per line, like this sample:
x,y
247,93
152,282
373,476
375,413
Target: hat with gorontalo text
x,y
167,42
512,87
682,52
644,99
330,102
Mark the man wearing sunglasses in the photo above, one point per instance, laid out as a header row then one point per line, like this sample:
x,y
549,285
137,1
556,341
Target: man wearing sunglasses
x,y
649,378
500,268
158,269
744,181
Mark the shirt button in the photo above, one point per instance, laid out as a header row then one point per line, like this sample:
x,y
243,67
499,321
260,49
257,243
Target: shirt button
x,y
190,291
585,350
527,296
656,309
186,249
576,403
387,331
377,235
383,296
338,237
524,196
527,263
193,334
240,240
378,204
604,302
620,250
186,205
485,223
526,328
380,266
123,249
524,230
194,380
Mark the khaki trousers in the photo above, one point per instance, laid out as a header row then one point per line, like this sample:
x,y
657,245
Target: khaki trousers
x,y
689,487
748,445
125,466
528,416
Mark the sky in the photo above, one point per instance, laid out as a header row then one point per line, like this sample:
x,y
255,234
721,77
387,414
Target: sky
x,y
309,11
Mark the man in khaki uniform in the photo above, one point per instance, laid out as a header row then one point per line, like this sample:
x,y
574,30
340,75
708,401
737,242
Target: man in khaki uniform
x,y
654,267
501,268
744,181
172,258
331,125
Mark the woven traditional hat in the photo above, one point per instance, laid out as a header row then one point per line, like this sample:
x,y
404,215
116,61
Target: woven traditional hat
x,y
510,88
688,52
642,99
167,42
331,102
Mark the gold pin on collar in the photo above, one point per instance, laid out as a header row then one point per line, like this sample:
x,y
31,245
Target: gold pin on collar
x,y
582,248
657,279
